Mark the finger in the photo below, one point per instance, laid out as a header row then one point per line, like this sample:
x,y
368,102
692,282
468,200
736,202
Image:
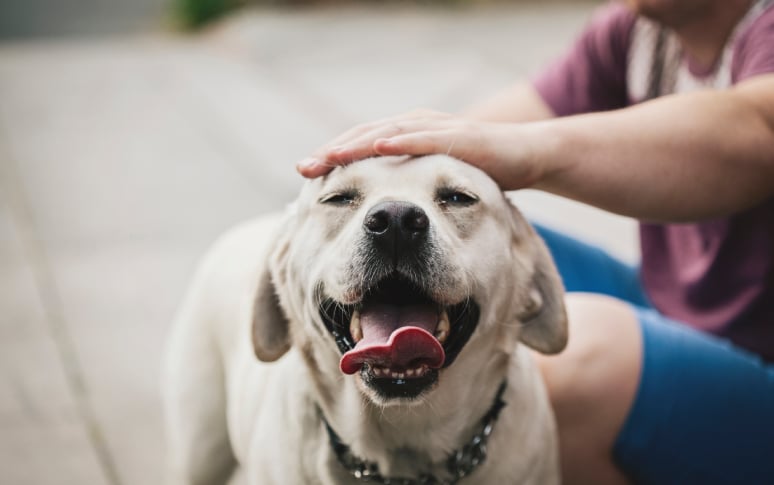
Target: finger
x,y
358,131
313,167
420,143
357,143
408,144
363,146
347,136
320,163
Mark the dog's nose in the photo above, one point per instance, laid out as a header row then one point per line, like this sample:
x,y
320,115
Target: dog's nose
x,y
396,226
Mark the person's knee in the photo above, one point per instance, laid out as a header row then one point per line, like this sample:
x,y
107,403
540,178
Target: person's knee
x,y
592,383
603,353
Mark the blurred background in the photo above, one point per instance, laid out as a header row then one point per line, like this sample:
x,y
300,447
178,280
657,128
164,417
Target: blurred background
x,y
133,132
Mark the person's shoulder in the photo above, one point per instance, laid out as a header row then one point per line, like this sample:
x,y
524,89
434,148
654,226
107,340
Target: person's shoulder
x,y
753,53
591,76
609,31
764,19
761,25
613,17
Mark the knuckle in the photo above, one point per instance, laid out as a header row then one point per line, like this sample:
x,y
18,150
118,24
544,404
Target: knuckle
x,y
396,128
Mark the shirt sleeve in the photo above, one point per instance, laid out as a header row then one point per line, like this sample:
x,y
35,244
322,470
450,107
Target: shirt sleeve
x,y
592,75
754,51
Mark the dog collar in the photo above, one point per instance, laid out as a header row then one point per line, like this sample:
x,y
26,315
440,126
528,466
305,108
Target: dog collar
x,y
459,463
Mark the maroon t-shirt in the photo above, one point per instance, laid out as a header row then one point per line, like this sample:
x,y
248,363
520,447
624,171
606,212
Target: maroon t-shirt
x,y
715,275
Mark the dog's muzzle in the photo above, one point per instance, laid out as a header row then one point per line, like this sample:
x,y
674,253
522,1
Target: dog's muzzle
x,y
397,336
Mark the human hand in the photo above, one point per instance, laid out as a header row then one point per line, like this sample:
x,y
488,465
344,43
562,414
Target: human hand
x,y
500,149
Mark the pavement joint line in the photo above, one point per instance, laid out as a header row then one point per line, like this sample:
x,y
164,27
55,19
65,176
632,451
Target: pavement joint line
x,y
197,114
240,158
317,107
10,183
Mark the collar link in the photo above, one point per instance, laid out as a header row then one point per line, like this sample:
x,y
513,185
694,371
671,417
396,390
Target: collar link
x,y
459,463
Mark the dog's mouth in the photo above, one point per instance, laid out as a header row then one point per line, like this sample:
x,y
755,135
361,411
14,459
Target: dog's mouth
x,y
398,337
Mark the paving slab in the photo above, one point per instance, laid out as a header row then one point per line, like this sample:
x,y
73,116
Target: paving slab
x,y
120,301
143,158
44,440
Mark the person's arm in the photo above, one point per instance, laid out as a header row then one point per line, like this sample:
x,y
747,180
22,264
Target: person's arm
x,y
677,158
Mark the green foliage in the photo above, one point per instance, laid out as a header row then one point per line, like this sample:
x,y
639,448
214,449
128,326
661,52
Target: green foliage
x,y
195,13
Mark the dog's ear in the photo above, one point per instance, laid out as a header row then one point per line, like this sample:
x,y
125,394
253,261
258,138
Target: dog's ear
x,y
271,328
544,319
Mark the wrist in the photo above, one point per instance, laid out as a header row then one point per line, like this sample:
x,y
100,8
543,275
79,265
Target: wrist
x,y
527,155
551,151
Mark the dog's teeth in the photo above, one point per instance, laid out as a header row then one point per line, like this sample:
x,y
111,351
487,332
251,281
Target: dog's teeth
x,y
442,330
354,327
394,374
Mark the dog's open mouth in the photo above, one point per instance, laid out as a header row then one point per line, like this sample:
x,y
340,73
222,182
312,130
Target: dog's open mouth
x,y
398,337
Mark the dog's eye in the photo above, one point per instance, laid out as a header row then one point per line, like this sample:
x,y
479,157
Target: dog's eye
x,y
340,198
451,197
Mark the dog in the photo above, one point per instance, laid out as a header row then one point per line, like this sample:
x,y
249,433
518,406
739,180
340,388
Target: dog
x,y
370,334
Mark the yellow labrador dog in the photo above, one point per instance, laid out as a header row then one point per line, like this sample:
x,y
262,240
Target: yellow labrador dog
x,y
370,335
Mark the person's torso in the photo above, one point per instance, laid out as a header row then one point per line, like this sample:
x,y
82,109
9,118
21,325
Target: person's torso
x,y
716,275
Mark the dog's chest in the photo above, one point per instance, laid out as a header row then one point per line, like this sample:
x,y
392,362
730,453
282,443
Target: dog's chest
x,y
286,442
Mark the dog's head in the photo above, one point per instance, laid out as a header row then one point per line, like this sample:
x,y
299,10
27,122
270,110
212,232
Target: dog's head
x,y
389,269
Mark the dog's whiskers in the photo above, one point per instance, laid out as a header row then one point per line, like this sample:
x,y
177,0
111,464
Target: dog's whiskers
x,y
451,145
427,402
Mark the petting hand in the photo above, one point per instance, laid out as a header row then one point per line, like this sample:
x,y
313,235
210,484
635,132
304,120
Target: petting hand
x,y
497,148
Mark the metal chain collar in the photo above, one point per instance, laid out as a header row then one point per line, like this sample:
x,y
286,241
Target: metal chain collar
x,y
459,464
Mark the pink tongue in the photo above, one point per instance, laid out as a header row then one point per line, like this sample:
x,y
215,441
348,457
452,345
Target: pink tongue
x,y
396,338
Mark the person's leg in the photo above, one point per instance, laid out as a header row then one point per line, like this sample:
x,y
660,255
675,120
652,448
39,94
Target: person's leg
x,y
704,411
639,397
588,268
592,385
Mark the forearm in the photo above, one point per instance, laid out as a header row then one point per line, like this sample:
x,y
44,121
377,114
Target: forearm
x,y
677,158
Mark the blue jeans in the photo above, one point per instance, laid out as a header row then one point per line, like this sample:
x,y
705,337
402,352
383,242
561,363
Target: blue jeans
x,y
704,409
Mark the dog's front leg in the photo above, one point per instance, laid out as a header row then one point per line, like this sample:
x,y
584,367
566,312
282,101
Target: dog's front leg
x,y
198,449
